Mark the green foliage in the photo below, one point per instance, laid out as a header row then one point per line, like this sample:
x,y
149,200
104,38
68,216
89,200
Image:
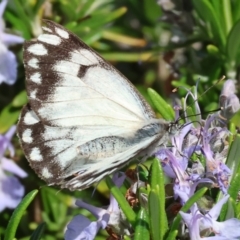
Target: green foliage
x,y
156,204
160,104
142,225
17,214
38,233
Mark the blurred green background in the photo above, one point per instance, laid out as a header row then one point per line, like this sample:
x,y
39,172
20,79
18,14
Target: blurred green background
x,y
157,44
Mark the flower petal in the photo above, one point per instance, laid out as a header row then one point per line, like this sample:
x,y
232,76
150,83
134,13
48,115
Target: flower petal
x,y
215,211
10,39
3,5
97,212
81,228
12,167
11,192
8,66
186,217
5,142
229,228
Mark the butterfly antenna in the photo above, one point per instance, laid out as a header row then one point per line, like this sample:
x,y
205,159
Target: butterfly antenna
x,y
198,114
215,84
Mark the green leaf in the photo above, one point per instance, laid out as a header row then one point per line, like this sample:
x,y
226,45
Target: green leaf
x,y
38,5
19,18
234,185
157,177
55,208
235,10
86,8
21,13
161,105
158,217
208,14
229,210
20,99
233,131
181,85
37,234
152,10
197,195
213,50
17,215
19,25
142,226
232,210
98,20
233,159
69,10
8,117
172,235
143,173
233,45
223,12
237,207
233,162
122,202
154,215
92,37
128,57
226,17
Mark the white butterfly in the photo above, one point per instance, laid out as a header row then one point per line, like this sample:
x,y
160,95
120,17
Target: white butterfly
x,y
84,120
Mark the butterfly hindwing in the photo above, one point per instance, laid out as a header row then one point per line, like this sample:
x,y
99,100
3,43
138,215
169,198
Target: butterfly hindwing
x,y
60,156
84,120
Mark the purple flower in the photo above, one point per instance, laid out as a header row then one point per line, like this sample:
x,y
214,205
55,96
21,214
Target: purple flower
x,y
175,161
11,190
198,223
228,100
206,140
82,228
8,62
214,158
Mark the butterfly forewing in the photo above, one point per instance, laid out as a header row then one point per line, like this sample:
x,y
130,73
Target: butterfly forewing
x,y
84,119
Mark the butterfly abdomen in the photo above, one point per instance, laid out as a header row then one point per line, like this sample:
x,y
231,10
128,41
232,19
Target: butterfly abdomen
x,y
109,146
102,147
